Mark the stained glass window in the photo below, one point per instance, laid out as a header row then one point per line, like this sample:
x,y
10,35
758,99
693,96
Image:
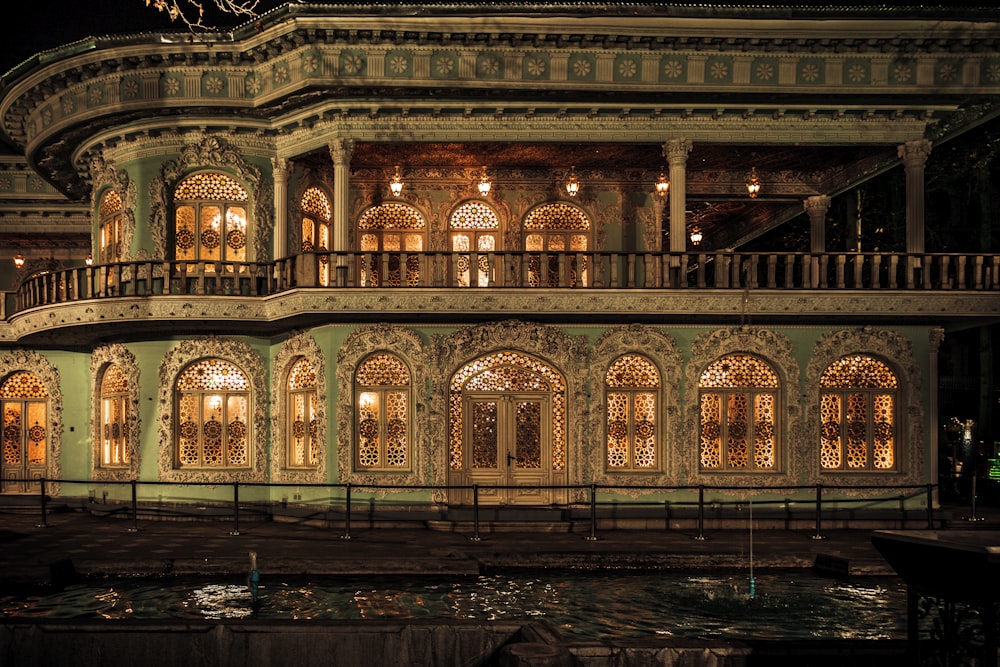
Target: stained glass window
x,y
110,223
382,388
858,407
387,230
632,389
474,227
554,229
114,418
210,219
213,416
316,228
738,397
303,442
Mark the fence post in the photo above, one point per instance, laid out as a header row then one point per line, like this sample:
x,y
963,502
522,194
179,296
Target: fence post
x,y
593,513
930,507
819,513
135,511
236,509
475,513
45,518
701,513
347,515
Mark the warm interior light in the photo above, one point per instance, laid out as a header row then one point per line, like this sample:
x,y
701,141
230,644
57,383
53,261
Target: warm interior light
x,y
484,183
662,185
18,260
89,261
753,185
572,184
696,235
366,400
396,184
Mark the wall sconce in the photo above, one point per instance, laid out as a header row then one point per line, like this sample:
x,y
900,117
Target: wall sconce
x,y
484,183
396,184
572,184
89,261
18,261
753,185
662,185
696,235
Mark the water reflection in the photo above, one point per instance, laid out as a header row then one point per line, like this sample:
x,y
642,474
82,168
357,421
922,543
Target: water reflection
x,y
785,605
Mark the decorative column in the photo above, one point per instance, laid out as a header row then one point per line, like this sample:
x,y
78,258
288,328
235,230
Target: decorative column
x,y
340,152
279,172
914,155
936,336
676,152
817,207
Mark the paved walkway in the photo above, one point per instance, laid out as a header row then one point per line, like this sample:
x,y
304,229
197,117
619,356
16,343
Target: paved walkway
x,y
78,544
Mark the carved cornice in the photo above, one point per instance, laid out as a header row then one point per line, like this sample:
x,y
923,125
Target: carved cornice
x,y
35,363
173,363
298,346
100,359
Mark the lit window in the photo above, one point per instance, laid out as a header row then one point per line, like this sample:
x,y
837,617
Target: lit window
x,y
316,228
738,396
303,445
114,418
110,222
858,400
632,386
210,219
557,229
213,399
382,391
474,227
386,232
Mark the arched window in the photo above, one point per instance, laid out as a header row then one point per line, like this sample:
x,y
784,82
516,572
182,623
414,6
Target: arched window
x,y
317,227
385,233
303,445
114,418
212,413
632,387
555,229
382,388
110,221
24,404
738,396
210,219
858,415
474,227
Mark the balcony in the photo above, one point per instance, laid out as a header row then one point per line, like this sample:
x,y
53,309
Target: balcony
x,y
591,286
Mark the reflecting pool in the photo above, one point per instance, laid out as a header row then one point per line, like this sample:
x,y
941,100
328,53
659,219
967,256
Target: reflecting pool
x,y
785,605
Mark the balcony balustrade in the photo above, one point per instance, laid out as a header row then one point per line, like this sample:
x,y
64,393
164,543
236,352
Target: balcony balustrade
x,y
524,270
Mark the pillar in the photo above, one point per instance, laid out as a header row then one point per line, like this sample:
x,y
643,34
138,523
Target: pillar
x,y
936,336
676,152
340,152
914,155
279,172
817,207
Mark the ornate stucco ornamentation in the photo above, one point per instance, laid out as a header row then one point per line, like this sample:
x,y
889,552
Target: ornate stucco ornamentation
x,y
211,152
659,347
897,350
299,346
103,175
251,363
33,362
778,351
100,359
410,347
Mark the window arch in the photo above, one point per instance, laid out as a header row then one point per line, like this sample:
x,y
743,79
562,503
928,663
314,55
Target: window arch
x,y
858,415
385,231
317,216
110,223
632,389
474,227
24,406
114,433
558,228
738,397
382,416
210,218
302,424
212,398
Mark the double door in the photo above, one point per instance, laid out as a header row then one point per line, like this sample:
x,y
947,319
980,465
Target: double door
x,y
25,440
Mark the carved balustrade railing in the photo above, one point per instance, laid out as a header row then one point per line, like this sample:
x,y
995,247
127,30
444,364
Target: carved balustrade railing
x,y
535,270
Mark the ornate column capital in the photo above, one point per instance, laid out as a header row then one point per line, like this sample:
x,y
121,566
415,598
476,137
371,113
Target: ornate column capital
x,y
677,150
816,205
279,168
914,153
340,151
936,337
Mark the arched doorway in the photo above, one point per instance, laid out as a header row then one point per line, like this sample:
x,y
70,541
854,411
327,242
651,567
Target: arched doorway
x,y
507,415
24,405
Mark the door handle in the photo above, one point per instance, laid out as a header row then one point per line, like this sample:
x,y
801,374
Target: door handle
x,y
509,458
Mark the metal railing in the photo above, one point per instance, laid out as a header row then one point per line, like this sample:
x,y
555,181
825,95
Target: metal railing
x,y
903,494
516,269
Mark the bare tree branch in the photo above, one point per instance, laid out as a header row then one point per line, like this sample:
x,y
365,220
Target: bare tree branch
x,y
192,12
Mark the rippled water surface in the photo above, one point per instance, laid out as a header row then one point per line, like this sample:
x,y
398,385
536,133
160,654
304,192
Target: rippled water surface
x,y
785,605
